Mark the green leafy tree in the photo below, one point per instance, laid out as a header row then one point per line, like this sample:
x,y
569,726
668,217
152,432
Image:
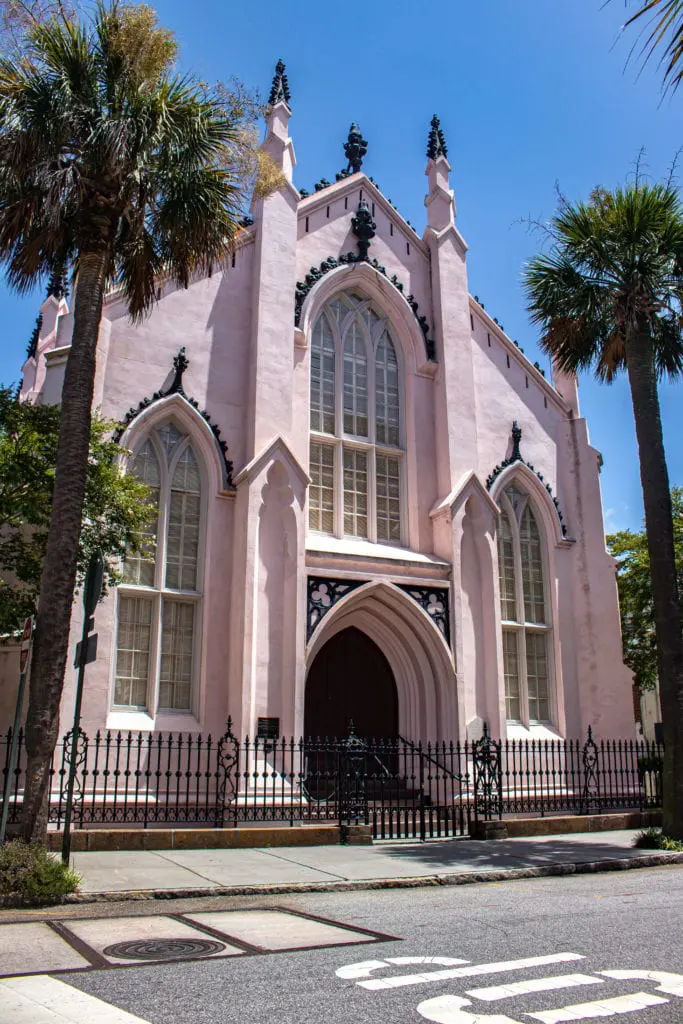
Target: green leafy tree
x,y
607,296
114,166
116,512
662,24
636,602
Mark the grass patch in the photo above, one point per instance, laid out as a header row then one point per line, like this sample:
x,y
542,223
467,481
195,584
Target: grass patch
x,y
652,839
29,875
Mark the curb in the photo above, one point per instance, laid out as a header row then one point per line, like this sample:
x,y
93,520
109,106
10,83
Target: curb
x,y
414,882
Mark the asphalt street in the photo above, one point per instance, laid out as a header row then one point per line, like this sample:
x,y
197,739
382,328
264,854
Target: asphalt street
x,y
494,953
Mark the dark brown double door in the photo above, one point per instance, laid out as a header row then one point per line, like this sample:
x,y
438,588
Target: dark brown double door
x,y
351,680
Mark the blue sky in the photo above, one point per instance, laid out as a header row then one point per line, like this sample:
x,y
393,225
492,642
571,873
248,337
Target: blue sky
x,y
530,93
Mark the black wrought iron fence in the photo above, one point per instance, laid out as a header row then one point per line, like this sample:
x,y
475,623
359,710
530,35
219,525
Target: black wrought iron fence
x,y
403,789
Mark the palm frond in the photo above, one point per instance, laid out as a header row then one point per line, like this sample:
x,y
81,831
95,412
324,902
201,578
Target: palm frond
x,y
616,266
101,143
663,34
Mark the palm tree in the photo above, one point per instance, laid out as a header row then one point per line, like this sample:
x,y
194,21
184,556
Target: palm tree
x,y
607,295
114,166
664,32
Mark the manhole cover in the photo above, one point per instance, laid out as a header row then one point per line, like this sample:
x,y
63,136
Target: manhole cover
x,y
163,949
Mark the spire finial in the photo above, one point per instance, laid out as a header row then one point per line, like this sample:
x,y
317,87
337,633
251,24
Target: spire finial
x,y
363,227
279,90
355,149
436,144
516,455
180,364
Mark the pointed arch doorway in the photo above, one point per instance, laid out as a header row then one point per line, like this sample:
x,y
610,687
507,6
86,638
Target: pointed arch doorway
x,y
350,679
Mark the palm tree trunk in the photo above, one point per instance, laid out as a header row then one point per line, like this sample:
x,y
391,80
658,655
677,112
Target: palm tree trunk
x,y
59,570
660,541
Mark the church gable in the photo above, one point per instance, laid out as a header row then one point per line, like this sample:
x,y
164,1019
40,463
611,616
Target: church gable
x,y
331,210
351,222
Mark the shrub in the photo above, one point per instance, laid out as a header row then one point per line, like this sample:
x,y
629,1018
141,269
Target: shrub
x,y
30,875
652,839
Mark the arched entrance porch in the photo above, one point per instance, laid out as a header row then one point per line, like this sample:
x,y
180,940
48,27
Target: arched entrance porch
x,y
418,657
351,680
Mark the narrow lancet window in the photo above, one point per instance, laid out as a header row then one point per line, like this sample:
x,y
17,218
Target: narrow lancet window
x,y
525,615
159,600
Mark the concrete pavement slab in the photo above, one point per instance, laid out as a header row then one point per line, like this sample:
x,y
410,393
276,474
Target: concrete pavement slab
x,y
184,871
100,935
276,929
112,871
43,1000
409,859
237,867
25,948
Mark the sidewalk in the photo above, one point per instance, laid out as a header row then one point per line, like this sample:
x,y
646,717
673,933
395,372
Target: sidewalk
x,y
161,874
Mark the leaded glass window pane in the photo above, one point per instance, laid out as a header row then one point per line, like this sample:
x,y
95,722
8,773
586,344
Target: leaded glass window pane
x,y
322,377
175,677
139,567
355,381
511,669
388,487
355,493
537,676
532,568
183,524
386,393
133,651
506,569
321,490
354,392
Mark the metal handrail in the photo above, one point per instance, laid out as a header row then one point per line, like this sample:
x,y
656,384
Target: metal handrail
x,y
423,753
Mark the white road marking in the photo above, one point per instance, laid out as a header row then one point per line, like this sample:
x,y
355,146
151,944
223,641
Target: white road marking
x,y
364,969
43,1000
449,1010
671,984
469,972
602,1008
442,961
519,988
361,970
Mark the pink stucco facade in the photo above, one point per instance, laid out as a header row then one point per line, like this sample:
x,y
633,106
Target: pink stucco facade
x,y
260,565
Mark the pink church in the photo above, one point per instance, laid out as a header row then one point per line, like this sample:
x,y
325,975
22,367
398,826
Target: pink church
x,y
372,506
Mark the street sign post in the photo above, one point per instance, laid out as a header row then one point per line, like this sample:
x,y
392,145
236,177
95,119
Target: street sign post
x,y
86,652
24,657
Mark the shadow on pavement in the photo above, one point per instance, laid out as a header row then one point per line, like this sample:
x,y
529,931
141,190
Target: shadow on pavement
x,y
463,854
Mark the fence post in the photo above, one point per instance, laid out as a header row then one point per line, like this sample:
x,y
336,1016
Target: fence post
x,y
488,788
353,802
590,761
423,822
75,754
227,773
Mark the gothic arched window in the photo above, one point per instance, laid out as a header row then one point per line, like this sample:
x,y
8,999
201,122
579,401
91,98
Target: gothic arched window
x,y
525,611
160,596
357,453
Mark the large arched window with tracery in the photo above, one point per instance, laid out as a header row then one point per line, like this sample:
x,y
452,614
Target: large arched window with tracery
x,y
357,451
525,611
160,597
